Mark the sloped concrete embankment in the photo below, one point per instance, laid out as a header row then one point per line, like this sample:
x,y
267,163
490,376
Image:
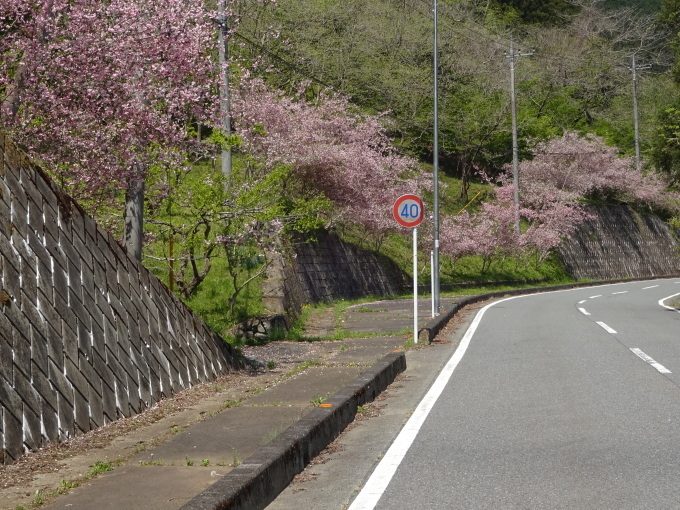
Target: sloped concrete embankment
x,y
618,242
87,334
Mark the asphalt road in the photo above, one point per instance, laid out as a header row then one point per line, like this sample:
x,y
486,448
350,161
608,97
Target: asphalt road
x,y
556,400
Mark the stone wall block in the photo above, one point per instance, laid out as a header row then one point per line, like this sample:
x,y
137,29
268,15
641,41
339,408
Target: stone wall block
x,y
50,423
109,404
31,423
76,378
5,350
70,345
46,392
96,408
122,398
65,411
29,283
81,409
87,335
39,351
12,447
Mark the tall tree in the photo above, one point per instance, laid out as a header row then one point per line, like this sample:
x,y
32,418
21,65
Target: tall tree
x,y
100,91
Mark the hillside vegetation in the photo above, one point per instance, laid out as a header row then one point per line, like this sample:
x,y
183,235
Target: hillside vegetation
x,y
331,119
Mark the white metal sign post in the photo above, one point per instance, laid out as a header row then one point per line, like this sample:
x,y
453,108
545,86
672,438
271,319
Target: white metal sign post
x,y
408,211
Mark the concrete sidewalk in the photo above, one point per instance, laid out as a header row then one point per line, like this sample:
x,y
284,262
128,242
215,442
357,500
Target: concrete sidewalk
x,y
246,452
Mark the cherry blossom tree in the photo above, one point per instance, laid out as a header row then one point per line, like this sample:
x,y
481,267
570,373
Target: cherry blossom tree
x,y
343,155
571,166
100,91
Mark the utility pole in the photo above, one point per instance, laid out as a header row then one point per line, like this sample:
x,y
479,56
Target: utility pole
x,y
634,68
515,146
435,251
225,107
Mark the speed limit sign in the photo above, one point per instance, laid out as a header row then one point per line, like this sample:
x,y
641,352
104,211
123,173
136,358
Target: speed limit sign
x,y
408,210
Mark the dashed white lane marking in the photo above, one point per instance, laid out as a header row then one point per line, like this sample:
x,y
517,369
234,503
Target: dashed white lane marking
x,y
377,483
584,311
650,360
607,328
622,292
652,287
593,297
582,301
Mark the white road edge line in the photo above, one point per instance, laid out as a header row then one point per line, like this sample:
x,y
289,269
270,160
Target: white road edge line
x,y
649,360
662,302
383,473
584,311
607,328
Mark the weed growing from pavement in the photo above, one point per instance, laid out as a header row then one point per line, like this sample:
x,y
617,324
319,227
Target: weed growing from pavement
x,y
316,402
66,486
150,463
189,461
365,309
236,460
272,434
39,498
98,468
205,462
300,368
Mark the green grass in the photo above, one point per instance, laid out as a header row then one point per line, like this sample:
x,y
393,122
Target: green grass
x,y
210,301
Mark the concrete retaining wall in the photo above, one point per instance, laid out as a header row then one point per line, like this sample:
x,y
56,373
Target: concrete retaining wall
x,y
87,335
328,269
621,243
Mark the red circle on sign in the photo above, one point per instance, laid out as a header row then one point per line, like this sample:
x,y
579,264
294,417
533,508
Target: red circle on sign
x,y
408,210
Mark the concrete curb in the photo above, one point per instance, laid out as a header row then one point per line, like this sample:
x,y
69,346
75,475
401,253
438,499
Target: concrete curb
x,y
434,326
256,483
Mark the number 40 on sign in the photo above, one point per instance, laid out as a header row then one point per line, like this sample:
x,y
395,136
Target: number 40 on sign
x,y
408,210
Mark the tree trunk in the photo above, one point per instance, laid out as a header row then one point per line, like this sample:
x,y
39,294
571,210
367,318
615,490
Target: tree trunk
x,y
134,216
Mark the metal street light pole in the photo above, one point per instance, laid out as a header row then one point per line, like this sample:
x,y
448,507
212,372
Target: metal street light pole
x,y
515,145
634,68
225,108
435,251
515,149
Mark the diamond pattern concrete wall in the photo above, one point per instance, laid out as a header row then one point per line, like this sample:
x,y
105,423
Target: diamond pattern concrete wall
x,y
87,335
618,242
328,269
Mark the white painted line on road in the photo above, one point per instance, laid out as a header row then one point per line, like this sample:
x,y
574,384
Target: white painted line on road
x,y
652,287
582,301
662,302
622,292
607,328
651,361
381,477
593,297
584,311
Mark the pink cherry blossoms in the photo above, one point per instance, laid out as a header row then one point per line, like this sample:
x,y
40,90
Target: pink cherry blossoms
x,y
563,171
95,89
343,155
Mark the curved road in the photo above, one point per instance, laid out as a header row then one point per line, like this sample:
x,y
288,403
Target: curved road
x,y
560,400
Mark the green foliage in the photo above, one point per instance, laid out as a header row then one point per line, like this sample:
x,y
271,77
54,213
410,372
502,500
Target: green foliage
x,y
543,12
667,147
